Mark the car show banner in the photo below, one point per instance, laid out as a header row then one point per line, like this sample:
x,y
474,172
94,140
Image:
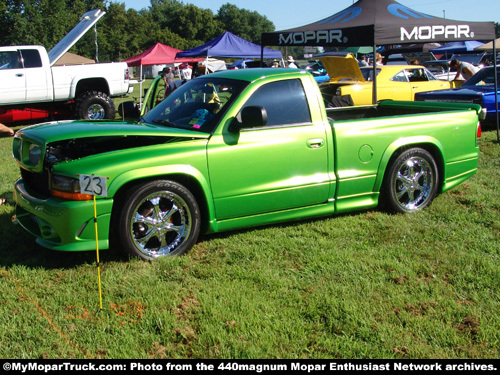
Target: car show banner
x,y
379,22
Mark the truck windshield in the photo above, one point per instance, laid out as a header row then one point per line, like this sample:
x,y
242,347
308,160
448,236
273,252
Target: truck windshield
x,y
197,105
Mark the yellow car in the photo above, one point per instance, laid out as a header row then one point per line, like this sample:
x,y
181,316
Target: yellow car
x,y
396,82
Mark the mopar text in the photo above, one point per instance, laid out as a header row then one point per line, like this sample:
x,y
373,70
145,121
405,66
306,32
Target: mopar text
x,y
431,32
313,37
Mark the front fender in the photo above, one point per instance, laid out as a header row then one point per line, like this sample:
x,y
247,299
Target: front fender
x,y
164,172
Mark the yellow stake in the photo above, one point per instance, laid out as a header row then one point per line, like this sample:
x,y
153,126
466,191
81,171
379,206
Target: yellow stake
x,y
97,251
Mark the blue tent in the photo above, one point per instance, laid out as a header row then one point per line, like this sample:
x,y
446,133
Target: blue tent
x,y
457,47
230,45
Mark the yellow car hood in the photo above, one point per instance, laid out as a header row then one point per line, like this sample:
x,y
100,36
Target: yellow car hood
x,y
342,67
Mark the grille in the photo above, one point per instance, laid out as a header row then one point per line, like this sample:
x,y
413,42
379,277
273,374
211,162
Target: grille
x,y
38,182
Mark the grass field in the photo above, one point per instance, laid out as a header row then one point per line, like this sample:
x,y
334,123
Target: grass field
x,y
363,285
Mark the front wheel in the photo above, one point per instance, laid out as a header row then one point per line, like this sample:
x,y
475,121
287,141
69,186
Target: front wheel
x,y
411,182
157,219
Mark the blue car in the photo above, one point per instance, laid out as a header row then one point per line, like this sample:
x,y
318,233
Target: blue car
x,y
479,89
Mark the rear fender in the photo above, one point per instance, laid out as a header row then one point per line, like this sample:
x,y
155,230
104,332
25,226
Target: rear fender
x,y
428,143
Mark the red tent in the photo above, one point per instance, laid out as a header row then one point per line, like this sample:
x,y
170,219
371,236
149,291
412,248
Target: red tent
x,y
158,54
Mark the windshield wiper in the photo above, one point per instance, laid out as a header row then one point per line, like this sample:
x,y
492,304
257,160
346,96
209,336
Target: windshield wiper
x,y
164,123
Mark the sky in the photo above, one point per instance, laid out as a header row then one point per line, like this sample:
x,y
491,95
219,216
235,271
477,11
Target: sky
x,y
286,14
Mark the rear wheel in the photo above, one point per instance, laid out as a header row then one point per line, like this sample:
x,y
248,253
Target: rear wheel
x,y
411,182
157,219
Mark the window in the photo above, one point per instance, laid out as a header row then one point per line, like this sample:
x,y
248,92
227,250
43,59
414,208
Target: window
x,y
285,102
400,77
10,60
31,58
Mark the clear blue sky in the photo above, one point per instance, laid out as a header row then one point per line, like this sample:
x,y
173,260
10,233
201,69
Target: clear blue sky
x,y
286,14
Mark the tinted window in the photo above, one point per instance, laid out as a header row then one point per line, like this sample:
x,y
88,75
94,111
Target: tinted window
x,y
10,60
31,58
284,101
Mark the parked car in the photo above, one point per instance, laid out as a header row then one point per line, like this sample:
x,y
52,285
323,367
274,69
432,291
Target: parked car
x,y
480,89
440,69
395,82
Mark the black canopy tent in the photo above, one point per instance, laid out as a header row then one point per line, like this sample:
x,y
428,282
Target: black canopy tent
x,y
381,22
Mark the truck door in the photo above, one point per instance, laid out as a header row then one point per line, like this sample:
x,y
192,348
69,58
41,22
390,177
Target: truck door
x,y
38,78
12,77
278,166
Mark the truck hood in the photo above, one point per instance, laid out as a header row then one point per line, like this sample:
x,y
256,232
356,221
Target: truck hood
x,y
86,22
341,67
52,143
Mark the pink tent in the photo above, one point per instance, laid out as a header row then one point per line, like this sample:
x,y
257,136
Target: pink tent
x,y
159,54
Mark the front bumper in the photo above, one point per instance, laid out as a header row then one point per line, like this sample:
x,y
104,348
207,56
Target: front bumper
x,y
62,225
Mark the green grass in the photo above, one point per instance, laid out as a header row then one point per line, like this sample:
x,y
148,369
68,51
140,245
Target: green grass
x,y
363,285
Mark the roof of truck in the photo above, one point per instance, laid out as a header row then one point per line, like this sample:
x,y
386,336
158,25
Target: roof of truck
x,y
252,74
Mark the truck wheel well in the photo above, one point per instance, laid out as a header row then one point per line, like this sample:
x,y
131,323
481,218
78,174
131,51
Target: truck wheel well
x,y
187,181
92,84
429,147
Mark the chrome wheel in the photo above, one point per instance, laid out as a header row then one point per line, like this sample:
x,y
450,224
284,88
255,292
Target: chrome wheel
x,y
158,218
96,112
411,182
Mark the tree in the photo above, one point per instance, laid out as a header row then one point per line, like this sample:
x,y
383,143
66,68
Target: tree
x,y
244,23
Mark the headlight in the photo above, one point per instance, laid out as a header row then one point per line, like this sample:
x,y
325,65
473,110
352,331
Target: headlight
x,y
67,188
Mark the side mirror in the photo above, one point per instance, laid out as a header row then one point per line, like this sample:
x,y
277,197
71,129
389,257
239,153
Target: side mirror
x,y
249,117
252,117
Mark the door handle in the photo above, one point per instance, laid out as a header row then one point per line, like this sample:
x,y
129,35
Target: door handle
x,y
19,75
315,143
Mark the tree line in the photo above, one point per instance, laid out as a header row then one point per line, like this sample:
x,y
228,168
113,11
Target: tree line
x,y
123,33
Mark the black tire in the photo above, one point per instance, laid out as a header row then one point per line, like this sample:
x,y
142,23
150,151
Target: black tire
x,y
411,182
94,105
158,218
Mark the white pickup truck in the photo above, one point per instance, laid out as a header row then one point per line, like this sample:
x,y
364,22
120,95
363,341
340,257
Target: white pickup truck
x,y
30,80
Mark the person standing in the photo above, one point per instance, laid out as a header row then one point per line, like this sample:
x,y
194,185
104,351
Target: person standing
x,y
463,68
291,62
362,61
186,72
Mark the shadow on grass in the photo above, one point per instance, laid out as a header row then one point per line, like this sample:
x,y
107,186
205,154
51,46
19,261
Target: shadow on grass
x,y
18,247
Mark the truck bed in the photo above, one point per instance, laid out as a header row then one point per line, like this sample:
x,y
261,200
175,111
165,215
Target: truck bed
x,y
389,108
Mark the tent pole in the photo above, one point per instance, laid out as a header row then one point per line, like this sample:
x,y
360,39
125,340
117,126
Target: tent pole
x,y
140,87
374,89
496,89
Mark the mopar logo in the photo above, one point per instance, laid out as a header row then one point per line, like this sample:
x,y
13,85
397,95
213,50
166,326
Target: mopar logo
x,y
431,32
312,37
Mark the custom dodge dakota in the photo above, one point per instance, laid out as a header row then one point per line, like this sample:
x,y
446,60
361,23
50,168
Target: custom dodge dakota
x,y
231,150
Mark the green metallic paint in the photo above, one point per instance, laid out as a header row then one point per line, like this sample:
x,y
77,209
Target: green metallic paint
x,y
255,176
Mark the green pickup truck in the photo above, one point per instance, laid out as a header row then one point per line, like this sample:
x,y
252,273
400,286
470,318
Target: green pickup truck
x,y
231,150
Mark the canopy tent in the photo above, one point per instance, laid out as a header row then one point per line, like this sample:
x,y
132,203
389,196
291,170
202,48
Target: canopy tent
x,y
487,46
230,45
380,22
457,47
73,59
157,54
